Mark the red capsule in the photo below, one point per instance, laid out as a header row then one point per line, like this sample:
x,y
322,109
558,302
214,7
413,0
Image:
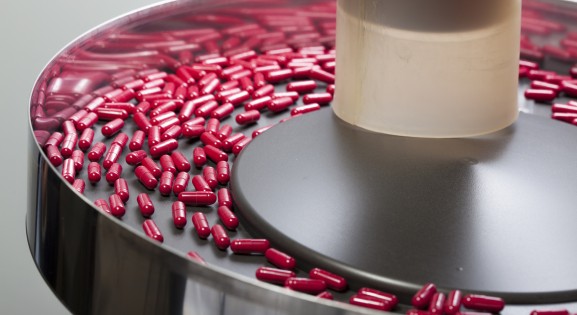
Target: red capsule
x,y
224,132
145,177
223,172
237,98
246,84
77,116
54,155
180,183
206,109
540,95
321,75
86,138
87,121
564,108
200,184
248,117
153,136
566,117
68,170
102,204
112,155
164,147
333,281
152,166
94,172
302,86
134,158
97,151
121,139
422,298
305,109
423,312
166,183
109,114
239,146
173,132
483,303
221,239
280,104
209,175
114,173
280,259
197,198
569,88
179,214
453,302
117,207
279,75
180,161
391,299
369,302
227,217
215,154
142,107
258,104
249,246
550,312
78,158
69,144
229,142
121,189
325,295
545,86
79,185
331,89
167,164
137,140
145,205
437,303
55,139
261,92
223,111
152,231
198,157
209,139
273,275
319,98
311,286
192,131
224,198
141,121
201,225
294,95
187,111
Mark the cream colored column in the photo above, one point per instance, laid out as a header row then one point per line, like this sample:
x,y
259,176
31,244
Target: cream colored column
x,y
428,68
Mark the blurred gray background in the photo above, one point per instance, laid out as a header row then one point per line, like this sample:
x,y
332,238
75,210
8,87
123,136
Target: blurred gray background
x,y
32,32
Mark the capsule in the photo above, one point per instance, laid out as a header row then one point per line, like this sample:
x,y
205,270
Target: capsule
x,y
79,185
152,231
180,183
319,98
223,172
145,205
164,147
198,157
249,246
94,172
55,139
379,295
173,132
209,139
192,131
114,173
310,286
166,183
239,146
279,104
224,198
69,144
483,303
237,98
224,132
68,170
261,92
294,95
180,162
369,302
179,214
545,86
201,225
167,164
321,75
229,142
209,175
567,117
206,109
259,131
222,111
97,151
54,155
437,303
257,104
102,204
453,302
550,312
280,259
86,138
110,114
112,155
153,136
540,95
117,207
279,75
197,198
274,275
305,109
221,239
227,217
141,121
215,154
152,167
142,107
422,298
87,121
248,117
196,257
134,158
333,281
145,177
302,86
200,184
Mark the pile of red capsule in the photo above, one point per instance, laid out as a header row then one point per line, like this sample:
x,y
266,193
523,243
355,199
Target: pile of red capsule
x,y
201,87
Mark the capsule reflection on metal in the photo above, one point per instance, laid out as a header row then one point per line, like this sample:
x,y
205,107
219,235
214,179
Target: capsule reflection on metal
x,y
325,295
280,259
79,185
248,117
179,214
422,298
196,257
550,312
145,205
249,246
274,275
201,225
152,231
333,281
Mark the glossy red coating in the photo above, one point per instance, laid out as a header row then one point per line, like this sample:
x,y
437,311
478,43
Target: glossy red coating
x,y
152,166
369,302
167,164
201,225
168,123
134,158
114,173
223,111
278,75
240,145
261,92
422,298
311,286
200,184
246,84
280,104
237,98
437,304
169,106
221,239
166,183
223,172
563,108
305,109
94,172
145,177
198,157
294,95
453,302
121,189
567,117
259,80
551,312
302,86
152,231
121,139
224,132
109,114
210,87
379,295
229,142
569,88
215,154
224,198
280,259
180,183
78,158
222,95
77,116
248,117
319,98
55,139
192,131
321,75
187,111
539,74
141,121
197,198
249,246
179,214
333,281
142,107
180,161
227,217
68,144
536,84
258,104
87,121
68,127
86,138
145,205
97,151
540,95
117,207
483,303
274,275
92,105
103,204
209,176
206,109
79,185
54,155
68,170
164,147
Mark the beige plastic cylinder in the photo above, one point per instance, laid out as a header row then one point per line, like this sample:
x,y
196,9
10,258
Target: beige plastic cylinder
x,y
428,68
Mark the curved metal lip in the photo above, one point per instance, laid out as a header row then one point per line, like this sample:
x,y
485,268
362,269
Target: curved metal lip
x,y
158,10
